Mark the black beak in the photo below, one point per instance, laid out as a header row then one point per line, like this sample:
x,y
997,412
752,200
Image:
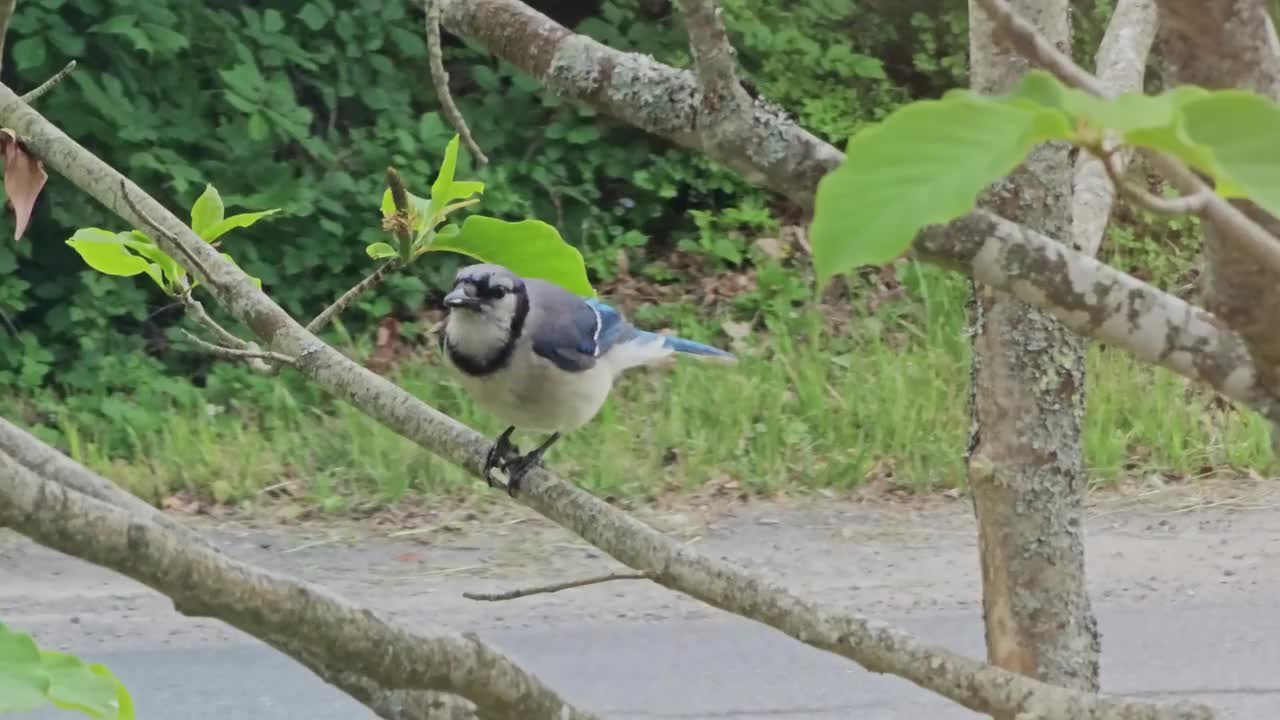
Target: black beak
x,y
459,298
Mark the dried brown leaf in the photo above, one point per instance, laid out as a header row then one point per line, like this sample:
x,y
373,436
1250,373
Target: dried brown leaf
x,y
24,178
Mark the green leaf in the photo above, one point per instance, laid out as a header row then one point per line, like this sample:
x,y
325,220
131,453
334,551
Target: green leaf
x,y
444,178
29,52
143,245
24,684
924,164
207,211
530,248
380,250
1239,129
75,686
124,701
312,16
236,221
465,189
105,252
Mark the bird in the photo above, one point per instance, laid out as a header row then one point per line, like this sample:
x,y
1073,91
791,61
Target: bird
x,y
540,357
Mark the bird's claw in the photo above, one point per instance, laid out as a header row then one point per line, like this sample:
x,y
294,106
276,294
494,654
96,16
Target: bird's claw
x,y
500,455
516,468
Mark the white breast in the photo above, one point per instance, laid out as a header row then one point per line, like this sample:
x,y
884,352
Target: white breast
x,y
531,393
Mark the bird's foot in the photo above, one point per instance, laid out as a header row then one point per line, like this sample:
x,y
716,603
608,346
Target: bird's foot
x,y
501,454
517,467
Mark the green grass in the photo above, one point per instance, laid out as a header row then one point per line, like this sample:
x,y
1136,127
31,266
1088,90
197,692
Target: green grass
x,y
815,402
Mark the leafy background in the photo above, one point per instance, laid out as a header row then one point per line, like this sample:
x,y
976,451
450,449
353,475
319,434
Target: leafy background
x,y
302,104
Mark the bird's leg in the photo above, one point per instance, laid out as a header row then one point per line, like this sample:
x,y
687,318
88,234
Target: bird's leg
x,y
501,453
518,466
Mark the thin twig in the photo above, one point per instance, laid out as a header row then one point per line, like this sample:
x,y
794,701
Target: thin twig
x,y
1188,204
38,91
6,14
349,296
225,336
556,587
1251,236
440,78
238,354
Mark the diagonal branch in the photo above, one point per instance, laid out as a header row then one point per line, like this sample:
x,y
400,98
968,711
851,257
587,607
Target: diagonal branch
x,y
970,682
371,281
315,627
763,145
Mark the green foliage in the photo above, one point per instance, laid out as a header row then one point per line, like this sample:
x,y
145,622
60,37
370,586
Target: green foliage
x,y
109,252
928,161
303,103
925,164
530,248
31,678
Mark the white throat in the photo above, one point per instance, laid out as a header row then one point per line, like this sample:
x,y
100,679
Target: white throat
x,y
478,336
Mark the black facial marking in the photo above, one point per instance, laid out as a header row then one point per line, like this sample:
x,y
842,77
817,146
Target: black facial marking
x,y
500,359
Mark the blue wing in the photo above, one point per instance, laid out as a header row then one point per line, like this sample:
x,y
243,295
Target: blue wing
x,y
573,331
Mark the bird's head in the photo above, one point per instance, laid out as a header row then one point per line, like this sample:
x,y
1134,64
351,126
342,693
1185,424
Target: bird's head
x,y
487,307
489,290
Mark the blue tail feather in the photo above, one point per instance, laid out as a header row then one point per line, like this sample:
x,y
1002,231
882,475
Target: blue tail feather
x,y
690,347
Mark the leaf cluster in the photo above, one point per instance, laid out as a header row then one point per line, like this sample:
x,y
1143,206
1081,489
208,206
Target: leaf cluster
x,y
927,162
31,678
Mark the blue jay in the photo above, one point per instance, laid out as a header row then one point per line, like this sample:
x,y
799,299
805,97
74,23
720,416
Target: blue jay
x,y
540,357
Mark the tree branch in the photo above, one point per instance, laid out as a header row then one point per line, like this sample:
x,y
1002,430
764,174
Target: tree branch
x,y
39,91
6,14
227,353
1098,301
440,78
374,278
317,628
713,55
971,683
555,587
225,336
764,145
1121,63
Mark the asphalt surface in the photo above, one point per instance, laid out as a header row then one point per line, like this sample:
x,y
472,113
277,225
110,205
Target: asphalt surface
x,y
718,669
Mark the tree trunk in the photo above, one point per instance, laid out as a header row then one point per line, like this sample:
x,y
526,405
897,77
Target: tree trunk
x,y
1026,402
1221,44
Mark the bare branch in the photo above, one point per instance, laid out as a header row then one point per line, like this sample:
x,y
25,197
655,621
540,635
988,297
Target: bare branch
x,y
763,145
1096,300
238,354
556,587
1191,204
53,465
1249,235
315,627
360,288
38,92
400,226
6,14
440,78
713,55
225,336
1120,63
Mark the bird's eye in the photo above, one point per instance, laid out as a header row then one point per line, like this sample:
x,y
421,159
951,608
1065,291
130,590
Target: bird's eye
x,y
498,292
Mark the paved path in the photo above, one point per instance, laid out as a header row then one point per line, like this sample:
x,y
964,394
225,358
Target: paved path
x,y
1189,606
